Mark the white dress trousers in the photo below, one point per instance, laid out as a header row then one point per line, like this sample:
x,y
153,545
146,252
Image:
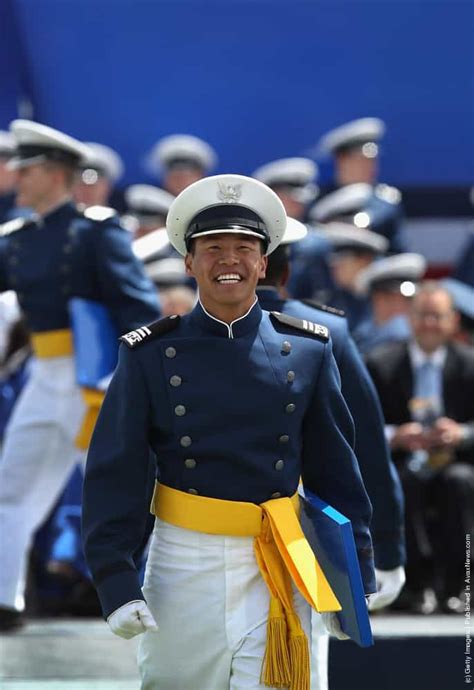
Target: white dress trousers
x,y
211,606
37,458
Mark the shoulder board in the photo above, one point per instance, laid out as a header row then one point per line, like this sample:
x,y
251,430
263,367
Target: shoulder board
x,y
153,330
13,226
323,307
315,329
99,213
387,193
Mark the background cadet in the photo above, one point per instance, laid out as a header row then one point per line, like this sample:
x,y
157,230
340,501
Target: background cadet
x,y
294,180
390,283
464,269
147,207
7,176
352,251
242,404
97,176
57,254
379,474
179,160
355,149
359,204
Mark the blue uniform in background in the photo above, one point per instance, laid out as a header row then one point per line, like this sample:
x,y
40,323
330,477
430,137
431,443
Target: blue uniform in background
x,y
464,269
369,335
237,412
378,472
357,308
48,260
68,254
310,271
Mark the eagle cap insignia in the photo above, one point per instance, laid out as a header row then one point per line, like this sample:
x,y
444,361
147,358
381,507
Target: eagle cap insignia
x,y
229,193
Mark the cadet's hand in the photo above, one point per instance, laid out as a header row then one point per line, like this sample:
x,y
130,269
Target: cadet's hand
x,y
132,619
389,585
332,625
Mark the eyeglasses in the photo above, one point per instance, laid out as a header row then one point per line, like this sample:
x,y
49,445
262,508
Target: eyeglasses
x,y
432,316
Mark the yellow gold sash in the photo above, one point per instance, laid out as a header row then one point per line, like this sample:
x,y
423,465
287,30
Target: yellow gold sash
x,y
282,554
52,343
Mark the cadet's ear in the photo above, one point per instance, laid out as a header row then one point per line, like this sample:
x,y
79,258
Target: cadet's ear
x,y
263,267
188,263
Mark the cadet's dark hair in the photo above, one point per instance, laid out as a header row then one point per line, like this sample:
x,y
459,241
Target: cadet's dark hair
x,y
277,265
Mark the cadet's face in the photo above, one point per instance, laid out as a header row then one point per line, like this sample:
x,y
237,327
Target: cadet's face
x,y
293,208
96,194
433,320
7,177
352,167
179,178
227,268
346,265
34,185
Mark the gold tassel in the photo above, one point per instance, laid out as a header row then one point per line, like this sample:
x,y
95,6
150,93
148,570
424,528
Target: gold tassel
x,y
276,663
299,655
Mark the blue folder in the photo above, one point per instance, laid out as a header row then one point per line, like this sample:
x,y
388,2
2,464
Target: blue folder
x,y
95,342
330,536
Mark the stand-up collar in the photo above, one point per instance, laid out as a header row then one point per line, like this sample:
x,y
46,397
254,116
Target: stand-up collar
x,y
238,328
56,213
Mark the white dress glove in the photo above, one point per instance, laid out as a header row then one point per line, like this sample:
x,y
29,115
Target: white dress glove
x,y
332,625
132,619
389,586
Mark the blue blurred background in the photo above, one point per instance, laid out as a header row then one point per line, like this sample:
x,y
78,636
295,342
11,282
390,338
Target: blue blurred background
x,y
258,79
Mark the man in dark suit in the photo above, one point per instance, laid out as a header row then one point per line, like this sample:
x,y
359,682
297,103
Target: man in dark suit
x,y
426,387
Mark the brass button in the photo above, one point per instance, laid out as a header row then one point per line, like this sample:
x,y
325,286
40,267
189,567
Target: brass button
x,y
170,352
180,410
190,463
279,465
277,494
176,381
67,249
194,492
13,261
290,376
64,268
286,347
284,438
291,407
185,441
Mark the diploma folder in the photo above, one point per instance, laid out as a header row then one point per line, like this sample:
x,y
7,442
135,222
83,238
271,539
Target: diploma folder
x,y
95,342
330,536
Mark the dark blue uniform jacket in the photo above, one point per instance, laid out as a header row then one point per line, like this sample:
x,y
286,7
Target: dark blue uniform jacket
x,y
220,406
378,472
64,255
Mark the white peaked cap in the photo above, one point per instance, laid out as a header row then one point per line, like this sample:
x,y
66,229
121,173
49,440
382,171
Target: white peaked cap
x,y
226,204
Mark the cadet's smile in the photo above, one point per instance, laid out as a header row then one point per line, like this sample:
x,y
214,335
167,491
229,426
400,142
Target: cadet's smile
x,y
228,278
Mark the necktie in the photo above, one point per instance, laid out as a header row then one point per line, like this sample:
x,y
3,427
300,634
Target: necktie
x,y
428,385
426,405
